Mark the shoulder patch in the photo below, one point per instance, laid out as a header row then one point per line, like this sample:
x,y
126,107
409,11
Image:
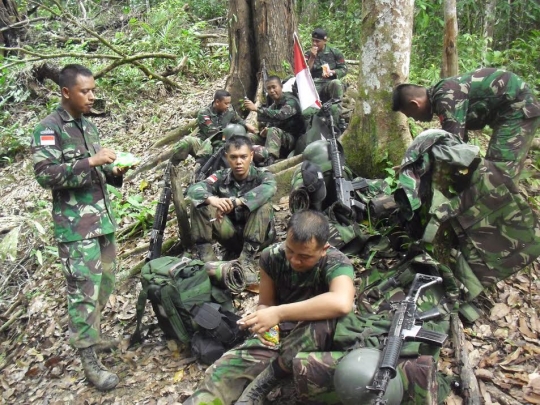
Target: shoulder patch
x,y
46,137
211,179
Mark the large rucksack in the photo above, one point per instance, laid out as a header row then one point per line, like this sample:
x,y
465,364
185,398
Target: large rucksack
x,y
187,306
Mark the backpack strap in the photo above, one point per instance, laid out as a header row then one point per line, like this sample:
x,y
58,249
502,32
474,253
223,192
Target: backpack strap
x,y
169,296
141,304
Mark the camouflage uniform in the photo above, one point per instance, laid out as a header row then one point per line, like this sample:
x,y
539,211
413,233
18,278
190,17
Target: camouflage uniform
x,y
250,222
285,124
491,97
226,378
84,223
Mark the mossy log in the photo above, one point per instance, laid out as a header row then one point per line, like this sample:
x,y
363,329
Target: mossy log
x,y
189,128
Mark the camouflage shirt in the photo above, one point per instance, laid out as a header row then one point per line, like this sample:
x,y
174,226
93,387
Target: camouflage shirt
x,y
61,147
254,191
476,99
293,286
335,60
284,114
211,122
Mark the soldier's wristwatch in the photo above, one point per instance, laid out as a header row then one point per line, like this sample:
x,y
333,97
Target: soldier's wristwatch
x,y
234,202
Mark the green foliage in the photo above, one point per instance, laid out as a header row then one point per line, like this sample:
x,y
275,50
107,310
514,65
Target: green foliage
x,y
133,209
208,9
13,138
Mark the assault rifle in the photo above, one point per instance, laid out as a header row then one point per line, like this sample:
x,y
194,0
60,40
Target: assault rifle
x,y
210,165
344,188
404,327
160,218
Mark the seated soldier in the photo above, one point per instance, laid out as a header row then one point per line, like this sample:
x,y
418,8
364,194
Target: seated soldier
x,y
283,120
233,206
305,285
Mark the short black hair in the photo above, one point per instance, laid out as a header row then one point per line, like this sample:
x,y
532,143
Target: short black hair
x,y
273,77
221,94
68,75
306,225
403,93
238,141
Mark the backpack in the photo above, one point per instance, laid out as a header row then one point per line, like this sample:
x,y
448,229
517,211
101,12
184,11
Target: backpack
x,y
187,305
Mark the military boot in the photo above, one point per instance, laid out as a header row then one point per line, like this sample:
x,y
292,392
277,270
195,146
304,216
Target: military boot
x,y
96,372
248,263
206,252
258,389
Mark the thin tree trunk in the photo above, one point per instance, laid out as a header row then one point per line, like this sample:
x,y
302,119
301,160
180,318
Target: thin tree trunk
x,y
450,53
8,16
489,25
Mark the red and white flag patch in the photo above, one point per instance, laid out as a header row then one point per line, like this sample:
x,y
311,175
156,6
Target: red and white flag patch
x,y
211,179
46,137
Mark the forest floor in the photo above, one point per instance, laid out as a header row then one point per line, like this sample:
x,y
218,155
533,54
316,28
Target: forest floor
x,y
37,366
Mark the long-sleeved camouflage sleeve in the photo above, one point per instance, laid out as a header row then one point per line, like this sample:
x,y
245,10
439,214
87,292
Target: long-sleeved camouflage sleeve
x,y
261,194
340,70
199,192
450,102
288,110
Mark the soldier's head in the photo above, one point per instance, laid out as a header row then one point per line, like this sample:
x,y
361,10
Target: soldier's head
x,y
319,38
274,87
413,101
307,239
78,89
239,155
222,100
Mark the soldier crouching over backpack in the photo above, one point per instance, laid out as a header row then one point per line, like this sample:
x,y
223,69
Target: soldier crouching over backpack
x,y
233,206
306,285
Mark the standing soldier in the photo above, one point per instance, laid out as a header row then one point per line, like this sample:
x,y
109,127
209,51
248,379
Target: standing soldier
x,y
283,120
233,206
69,160
473,100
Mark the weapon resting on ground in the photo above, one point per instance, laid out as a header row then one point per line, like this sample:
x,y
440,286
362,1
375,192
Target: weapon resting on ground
x,y
404,327
160,218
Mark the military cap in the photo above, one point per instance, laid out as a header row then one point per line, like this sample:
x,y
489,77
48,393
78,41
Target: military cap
x,y
319,33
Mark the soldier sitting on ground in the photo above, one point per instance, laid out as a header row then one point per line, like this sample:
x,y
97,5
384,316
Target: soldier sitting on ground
x,y
306,285
283,121
233,207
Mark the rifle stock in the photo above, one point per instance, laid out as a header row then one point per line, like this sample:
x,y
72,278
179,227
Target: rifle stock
x,y
160,218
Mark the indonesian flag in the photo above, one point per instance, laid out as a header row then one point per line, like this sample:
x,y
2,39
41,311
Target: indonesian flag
x,y
307,93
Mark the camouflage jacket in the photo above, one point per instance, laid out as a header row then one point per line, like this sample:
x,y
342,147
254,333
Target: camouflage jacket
x,y
284,114
211,122
335,60
476,99
255,191
293,286
61,147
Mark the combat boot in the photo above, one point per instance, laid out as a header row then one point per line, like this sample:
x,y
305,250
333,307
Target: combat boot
x,y
206,252
248,263
258,389
96,372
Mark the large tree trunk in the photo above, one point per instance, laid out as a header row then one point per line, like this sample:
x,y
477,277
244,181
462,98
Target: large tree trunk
x,y
377,135
450,54
8,16
259,30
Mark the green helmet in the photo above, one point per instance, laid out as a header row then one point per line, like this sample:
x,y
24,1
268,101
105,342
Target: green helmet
x,y
233,129
356,371
317,152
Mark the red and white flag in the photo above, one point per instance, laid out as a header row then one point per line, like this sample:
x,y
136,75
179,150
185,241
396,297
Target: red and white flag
x,y
307,93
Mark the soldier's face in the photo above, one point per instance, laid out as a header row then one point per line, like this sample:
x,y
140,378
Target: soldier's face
x,y
239,161
79,98
222,105
274,89
303,256
319,43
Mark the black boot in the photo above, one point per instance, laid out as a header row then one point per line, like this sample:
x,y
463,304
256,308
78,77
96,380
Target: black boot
x,y
258,389
248,263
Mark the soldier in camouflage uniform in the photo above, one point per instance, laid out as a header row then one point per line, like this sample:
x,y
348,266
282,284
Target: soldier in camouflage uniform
x,y
306,285
327,67
473,100
69,160
233,206
283,120
211,121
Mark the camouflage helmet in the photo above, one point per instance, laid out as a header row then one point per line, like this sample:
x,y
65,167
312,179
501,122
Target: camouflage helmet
x,y
356,371
317,152
233,129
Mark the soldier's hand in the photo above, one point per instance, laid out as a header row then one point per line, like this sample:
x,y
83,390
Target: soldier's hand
x,y
249,105
251,128
224,205
264,132
314,50
103,157
261,320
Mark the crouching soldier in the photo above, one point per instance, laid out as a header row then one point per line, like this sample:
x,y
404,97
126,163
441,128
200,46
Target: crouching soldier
x,y
233,207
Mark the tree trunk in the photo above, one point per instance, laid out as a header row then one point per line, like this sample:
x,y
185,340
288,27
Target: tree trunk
x,y
8,16
258,30
376,135
450,54
489,25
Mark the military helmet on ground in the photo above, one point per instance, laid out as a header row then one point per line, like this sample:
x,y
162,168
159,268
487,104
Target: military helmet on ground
x,y
356,371
233,129
317,152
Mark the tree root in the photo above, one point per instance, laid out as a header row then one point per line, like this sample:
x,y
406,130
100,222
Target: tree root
x,y
500,396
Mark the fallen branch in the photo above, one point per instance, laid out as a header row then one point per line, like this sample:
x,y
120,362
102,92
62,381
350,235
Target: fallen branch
x,y
500,396
23,23
43,56
145,246
11,320
188,128
206,36
72,40
178,68
15,304
150,164
469,384
285,164
131,59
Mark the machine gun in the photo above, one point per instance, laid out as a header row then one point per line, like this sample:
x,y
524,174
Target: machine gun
x,y
344,188
160,218
404,327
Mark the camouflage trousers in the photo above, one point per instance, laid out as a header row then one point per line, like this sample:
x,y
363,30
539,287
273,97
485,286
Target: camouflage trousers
x,y
227,377
89,266
276,141
231,232
198,148
331,90
511,140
